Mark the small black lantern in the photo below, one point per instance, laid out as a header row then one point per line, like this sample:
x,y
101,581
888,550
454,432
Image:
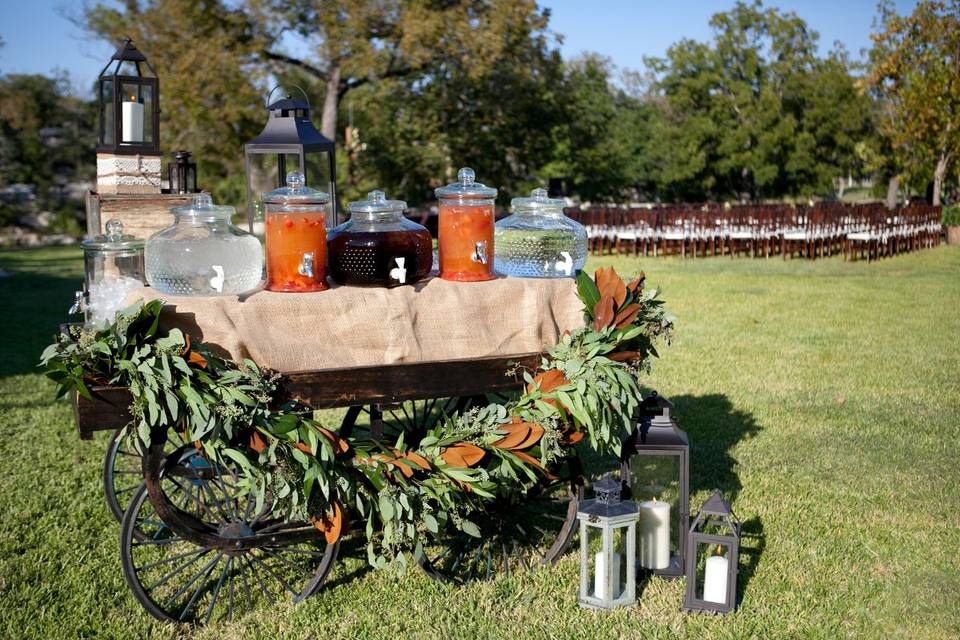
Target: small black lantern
x,y
182,173
713,546
128,99
289,135
655,464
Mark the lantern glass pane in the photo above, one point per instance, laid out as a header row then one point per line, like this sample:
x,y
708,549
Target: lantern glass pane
x,y
127,68
712,571
619,561
109,115
146,98
657,476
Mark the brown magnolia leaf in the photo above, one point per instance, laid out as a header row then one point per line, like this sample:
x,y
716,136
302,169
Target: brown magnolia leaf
x,y
257,443
516,433
536,432
303,447
624,356
626,315
417,459
547,381
331,524
462,454
340,446
197,359
572,438
636,284
186,344
604,278
526,457
603,313
609,283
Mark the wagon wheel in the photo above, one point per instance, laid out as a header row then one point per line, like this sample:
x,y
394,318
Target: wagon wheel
x,y
412,417
122,471
513,536
246,559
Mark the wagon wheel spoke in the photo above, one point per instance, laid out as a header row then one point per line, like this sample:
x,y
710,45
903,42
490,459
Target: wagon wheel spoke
x,y
177,580
122,464
514,536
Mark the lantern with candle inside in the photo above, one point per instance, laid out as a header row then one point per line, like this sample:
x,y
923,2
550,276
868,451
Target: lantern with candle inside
x,y
713,545
128,101
607,548
655,466
289,144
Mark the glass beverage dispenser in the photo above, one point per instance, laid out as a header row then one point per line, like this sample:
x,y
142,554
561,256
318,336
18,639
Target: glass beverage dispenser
x,y
296,236
113,269
378,246
538,240
466,229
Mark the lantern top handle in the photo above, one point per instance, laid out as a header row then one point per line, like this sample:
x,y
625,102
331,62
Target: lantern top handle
x,y
295,86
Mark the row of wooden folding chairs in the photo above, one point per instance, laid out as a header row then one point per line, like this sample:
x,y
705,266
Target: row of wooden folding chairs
x,y
821,230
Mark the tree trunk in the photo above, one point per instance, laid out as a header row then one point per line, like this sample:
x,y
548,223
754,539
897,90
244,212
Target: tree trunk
x,y
331,102
893,188
938,173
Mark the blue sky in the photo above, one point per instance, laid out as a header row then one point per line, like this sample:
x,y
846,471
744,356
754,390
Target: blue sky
x,y
40,38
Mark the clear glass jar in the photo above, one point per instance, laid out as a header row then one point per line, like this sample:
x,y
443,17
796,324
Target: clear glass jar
x,y
538,240
466,229
203,253
378,246
113,269
296,235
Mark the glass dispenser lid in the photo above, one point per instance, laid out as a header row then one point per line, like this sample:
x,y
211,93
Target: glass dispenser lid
x,y
466,187
376,203
203,207
113,240
537,202
296,192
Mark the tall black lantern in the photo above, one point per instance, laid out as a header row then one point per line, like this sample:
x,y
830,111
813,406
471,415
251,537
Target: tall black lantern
x,y
182,173
713,547
128,97
289,142
655,465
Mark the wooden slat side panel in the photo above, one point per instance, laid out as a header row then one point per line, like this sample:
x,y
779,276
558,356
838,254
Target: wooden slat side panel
x,y
108,410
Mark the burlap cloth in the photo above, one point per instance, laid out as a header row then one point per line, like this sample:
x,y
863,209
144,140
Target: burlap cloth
x,y
355,327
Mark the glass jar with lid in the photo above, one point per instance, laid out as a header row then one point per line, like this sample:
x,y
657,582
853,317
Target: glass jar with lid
x,y
113,269
378,246
466,229
296,236
203,253
538,240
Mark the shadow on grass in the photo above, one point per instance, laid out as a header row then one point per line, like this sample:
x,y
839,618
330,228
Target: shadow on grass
x,y
752,545
34,305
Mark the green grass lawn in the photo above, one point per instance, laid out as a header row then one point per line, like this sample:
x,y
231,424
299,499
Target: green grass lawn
x,y
822,397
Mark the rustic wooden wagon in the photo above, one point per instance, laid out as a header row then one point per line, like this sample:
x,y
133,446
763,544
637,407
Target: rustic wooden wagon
x,y
193,550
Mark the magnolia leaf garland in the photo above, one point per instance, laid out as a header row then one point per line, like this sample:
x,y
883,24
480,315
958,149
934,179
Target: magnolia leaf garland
x,y
586,388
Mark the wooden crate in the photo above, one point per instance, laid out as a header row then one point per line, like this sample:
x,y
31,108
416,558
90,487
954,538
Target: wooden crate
x,y
142,214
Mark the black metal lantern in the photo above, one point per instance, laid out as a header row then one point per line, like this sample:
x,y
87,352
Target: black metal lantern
x,y
128,98
182,173
289,137
655,465
713,547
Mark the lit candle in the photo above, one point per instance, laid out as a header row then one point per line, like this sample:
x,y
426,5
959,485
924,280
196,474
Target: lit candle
x,y
132,116
715,579
600,576
654,534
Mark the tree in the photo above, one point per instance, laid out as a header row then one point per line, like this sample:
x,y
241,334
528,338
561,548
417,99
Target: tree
x,y
755,113
915,71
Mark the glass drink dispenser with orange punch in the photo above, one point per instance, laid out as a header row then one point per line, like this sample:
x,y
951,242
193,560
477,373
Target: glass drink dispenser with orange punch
x,y
466,229
296,236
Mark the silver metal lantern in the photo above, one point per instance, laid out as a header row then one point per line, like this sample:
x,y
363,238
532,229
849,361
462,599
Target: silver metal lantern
x,y
608,536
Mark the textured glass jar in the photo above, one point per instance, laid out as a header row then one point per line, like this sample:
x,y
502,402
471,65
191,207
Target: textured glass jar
x,y
203,253
538,240
296,236
378,246
465,229
113,269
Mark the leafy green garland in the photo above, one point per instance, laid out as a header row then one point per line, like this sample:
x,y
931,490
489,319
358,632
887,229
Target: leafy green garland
x,y
585,387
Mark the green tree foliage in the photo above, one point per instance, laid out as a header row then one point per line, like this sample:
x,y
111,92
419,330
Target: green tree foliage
x,y
755,113
915,72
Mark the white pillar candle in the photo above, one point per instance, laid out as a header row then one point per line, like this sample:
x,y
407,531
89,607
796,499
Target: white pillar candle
x,y
654,534
715,580
132,116
600,575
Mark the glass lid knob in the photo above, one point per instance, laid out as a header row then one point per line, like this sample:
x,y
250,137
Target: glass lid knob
x,y
376,197
114,229
203,201
466,175
539,194
296,180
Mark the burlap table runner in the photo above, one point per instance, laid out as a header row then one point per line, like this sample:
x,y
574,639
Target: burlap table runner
x,y
355,327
